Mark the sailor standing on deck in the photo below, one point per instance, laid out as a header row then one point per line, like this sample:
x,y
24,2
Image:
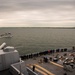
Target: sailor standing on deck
x,y
73,48
33,67
72,65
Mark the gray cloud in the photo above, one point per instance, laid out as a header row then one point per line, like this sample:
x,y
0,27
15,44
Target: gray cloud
x,y
13,5
37,13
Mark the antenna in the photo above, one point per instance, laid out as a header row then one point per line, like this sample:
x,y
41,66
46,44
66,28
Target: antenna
x,y
20,65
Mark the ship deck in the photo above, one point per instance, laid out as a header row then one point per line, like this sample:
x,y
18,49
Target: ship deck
x,y
48,68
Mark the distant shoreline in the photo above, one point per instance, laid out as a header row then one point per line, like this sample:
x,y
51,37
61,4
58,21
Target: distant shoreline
x,y
43,27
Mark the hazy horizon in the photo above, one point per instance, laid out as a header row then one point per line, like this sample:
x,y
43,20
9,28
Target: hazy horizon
x,y
34,13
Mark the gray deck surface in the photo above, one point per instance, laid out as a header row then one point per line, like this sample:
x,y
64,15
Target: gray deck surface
x,y
48,66
51,67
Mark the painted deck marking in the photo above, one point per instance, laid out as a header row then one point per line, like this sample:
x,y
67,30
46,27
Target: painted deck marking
x,y
48,72
56,64
40,71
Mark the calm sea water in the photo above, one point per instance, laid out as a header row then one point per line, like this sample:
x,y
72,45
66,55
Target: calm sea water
x,y
29,40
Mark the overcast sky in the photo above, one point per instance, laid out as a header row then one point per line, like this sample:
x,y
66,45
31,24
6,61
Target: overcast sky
x,y
37,13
